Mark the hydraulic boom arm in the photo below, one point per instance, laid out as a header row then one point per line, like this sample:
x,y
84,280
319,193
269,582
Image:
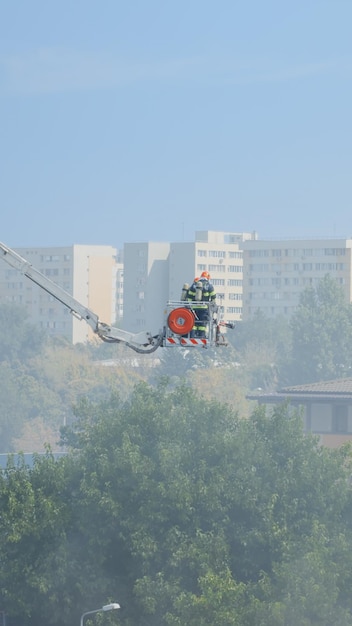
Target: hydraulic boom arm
x,y
141,342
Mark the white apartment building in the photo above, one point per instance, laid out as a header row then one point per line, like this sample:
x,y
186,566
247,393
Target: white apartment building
x,y
221,255
154,273
88,273
276,272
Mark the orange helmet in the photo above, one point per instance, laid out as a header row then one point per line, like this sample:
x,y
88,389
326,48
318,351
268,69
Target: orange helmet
x,y
196,279
205,275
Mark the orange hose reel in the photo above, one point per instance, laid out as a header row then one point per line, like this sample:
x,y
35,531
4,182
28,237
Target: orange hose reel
x,y
181,321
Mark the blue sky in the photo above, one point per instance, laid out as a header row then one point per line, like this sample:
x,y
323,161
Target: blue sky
x,y
136,121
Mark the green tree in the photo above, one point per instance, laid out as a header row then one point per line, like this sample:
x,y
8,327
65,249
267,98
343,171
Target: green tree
x,y
205,507
18,339
321,335
262,344
172,505
32,541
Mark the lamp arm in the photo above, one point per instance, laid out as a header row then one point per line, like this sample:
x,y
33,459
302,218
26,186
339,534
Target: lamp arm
x,y
88,613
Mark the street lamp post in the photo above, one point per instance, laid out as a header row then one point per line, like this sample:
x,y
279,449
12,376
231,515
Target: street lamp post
x,y
106,607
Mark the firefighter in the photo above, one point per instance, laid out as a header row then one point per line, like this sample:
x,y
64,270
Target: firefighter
x,y
209,294
200,294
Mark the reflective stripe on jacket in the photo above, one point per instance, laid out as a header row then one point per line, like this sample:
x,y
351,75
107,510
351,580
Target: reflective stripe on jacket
x,y
208,291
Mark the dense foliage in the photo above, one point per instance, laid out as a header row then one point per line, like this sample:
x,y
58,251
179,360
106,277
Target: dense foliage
x,y
185,514
41,379
314,345
322,335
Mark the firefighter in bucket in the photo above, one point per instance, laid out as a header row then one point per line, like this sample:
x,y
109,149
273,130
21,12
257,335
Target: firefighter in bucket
x,y
200,294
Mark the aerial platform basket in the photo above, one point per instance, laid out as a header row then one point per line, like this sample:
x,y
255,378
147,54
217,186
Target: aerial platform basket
x,y
181,325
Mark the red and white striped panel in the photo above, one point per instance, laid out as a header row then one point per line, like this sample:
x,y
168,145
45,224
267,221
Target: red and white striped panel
x,y
193,342
170,341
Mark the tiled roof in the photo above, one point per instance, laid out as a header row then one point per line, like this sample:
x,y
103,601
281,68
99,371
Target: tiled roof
x,y
342,385
341,388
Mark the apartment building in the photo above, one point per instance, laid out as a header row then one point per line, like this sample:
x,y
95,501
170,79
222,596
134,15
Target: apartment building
x,y
154,273
276,272
88,273
221,255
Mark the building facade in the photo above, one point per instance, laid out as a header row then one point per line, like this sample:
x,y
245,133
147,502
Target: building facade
x,y
326,408
88,273
146,286
276,272
221,255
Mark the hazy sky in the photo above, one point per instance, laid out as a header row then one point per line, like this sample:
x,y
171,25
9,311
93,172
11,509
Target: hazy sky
x,y
149,120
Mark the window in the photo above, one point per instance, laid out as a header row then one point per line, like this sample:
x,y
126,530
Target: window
x,y
217,268
340,419
235,296
329,266
258,253
201,252
218,282
236,255
14,285
49,257
335,251
219,254
234,282
235,268
258,267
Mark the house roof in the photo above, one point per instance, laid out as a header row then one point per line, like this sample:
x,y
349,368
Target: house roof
x,y
342,385
329,389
